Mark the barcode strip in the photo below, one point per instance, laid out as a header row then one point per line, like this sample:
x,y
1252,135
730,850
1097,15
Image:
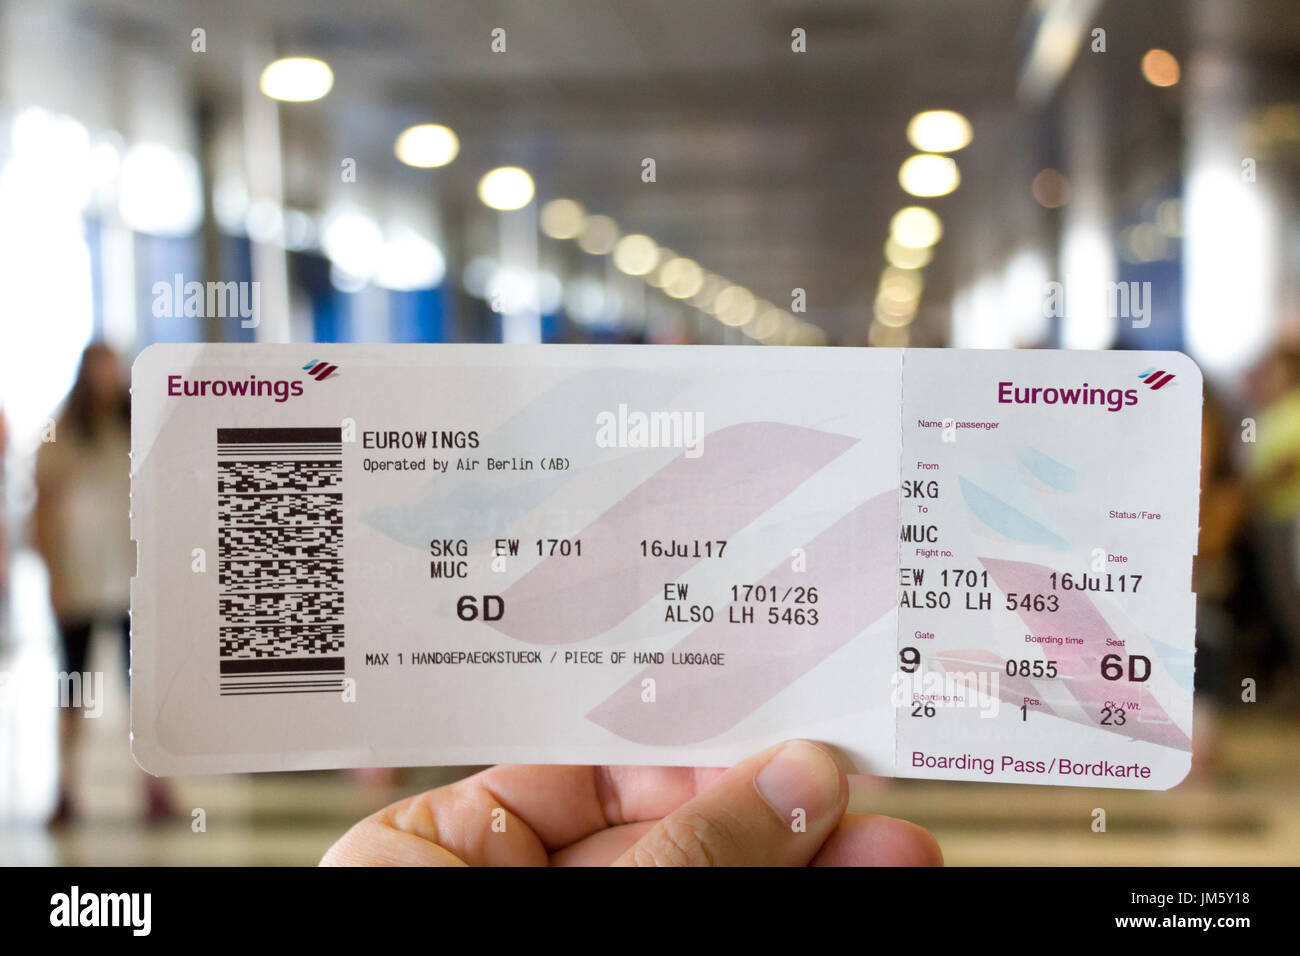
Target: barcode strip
x,y
244,685
284,436
280,569
281,665
271,452
279,690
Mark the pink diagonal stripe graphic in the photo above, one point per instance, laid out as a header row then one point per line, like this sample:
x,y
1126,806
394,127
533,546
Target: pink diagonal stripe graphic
x,y
1079,664
854,565
743,471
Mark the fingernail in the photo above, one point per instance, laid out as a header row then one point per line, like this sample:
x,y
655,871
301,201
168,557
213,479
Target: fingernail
x,y
801,777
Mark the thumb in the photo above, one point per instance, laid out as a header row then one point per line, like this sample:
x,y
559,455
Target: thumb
x,y
774,809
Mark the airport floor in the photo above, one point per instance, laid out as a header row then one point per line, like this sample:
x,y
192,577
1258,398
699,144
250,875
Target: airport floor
x,y
1245,811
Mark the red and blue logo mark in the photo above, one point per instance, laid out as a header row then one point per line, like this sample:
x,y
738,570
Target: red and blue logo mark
x,y
1154,378
319,370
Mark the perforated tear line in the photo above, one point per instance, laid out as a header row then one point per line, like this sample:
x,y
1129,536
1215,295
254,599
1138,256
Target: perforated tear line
x,y
898,541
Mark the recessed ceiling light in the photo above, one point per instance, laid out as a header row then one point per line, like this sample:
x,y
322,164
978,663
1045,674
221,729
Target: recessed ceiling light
x,y
599,233
427,146
506,188
636,254
939,131
297,79
1160,67
907,257
915,227
682,278
927,174
562,218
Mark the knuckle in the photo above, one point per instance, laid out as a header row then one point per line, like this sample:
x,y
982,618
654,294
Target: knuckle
x,y
689,840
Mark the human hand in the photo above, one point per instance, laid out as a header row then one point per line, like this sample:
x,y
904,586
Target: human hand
x,y
783,807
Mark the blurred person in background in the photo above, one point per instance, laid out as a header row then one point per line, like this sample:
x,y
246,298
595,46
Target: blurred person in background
x,y
1275,498
83,532
1216,577
4,544
4,553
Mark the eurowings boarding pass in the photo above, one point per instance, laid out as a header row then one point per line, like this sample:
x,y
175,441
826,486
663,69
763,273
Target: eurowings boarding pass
x,y
967,565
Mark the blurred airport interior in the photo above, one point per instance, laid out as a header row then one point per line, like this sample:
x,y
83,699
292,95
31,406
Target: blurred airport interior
x,y
1084,174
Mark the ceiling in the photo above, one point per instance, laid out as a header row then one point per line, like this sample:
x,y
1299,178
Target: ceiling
x,y
775,169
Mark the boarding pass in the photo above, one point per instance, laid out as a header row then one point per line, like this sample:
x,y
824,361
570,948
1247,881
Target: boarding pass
x,y
967,565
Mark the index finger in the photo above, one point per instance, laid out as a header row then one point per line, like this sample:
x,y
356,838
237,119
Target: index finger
x,y
565,804
517,814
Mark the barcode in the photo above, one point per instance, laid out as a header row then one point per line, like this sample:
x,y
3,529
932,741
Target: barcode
x,y
280,560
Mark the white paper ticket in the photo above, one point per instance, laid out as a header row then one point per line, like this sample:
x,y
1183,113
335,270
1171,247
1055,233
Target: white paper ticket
x,y
969,565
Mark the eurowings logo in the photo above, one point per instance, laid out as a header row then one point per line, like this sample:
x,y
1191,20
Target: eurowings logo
x,y
1154,378
319,370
